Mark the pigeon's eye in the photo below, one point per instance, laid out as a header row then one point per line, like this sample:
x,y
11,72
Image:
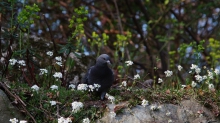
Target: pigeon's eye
x,y
104,58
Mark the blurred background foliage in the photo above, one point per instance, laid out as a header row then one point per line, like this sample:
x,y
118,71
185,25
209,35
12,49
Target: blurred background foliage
x,y
156,35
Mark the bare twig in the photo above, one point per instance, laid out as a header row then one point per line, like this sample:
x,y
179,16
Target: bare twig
x,y
51,36
18,100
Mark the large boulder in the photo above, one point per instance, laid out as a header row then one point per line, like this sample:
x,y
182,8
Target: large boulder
x,y
7,110
188,111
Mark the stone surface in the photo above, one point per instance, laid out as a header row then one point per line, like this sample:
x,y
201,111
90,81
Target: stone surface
x,y
188,111
7,110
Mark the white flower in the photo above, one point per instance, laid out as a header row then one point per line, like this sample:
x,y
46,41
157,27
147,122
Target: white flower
x,y
183,86
61,120
193,84
58,75
193,66
198,78
91,88
170,121
168,113
216,71
59,63
49,53
159,107
204,77
112,114
64,120
96,86
72,86
137,76
124,83
86,120
210,74
23,121
76,106
179,67
12,61
58,58
68,120
211,86
168,73
82,87
144,102
160,80
35,88
198,70
53,103
14,120
111,98
22,62
129,63
153,107
43,71
54,87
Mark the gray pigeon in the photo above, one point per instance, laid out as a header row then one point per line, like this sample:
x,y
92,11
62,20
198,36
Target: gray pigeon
x,y
100,74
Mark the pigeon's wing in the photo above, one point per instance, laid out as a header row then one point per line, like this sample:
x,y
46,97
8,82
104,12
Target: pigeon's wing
x,y
85,79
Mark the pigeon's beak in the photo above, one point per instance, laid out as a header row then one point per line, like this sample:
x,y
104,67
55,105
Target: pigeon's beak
x,y
109,63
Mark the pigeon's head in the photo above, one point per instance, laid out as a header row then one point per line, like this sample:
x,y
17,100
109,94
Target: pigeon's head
x,y
102,60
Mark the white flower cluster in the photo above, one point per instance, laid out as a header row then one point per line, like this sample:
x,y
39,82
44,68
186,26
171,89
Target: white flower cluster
x,y
196,68
72,86
43,71
64,120
160,80
155,107
168,113
82,87
137,76
124,83
59,60
168,73
76,106
97,86
49,53
193,84
21,62
86,120
58,75
217,71
35,88
129,63
14,120
210,74
145,103
14,61
54,87
179,67
53,103
91,88
198,78
111,98
211,86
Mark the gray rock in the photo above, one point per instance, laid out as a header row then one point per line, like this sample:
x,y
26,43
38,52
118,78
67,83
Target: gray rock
x,y
7,110
186,112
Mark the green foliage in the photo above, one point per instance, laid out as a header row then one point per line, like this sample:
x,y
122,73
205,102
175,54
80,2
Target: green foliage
x,y
98,41
214,46
27,15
